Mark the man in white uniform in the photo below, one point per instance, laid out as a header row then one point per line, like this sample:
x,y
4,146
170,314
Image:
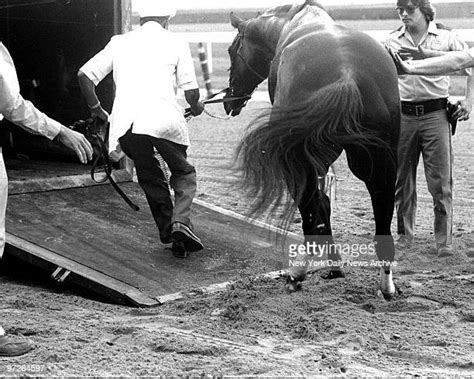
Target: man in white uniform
x,y
23,113
148,63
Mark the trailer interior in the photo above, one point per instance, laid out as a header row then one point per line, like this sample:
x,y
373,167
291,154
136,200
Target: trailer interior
x,y
49,41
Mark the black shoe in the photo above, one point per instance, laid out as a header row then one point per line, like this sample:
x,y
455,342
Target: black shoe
x,y
166,240
184,234
178,249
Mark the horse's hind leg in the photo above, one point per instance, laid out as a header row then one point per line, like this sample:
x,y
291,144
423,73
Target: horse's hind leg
x,y
317,230
377,169
315,210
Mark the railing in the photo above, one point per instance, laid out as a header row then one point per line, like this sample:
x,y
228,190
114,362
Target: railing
x,y
209,38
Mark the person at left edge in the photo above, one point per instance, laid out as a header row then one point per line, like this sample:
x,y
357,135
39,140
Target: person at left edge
x,y
24,114
147,63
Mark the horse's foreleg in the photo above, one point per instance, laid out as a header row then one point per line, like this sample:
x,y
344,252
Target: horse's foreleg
x,y
387,287
322,234
315,210
298,270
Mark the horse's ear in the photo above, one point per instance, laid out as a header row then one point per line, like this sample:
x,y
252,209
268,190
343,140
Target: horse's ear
x,y
236,21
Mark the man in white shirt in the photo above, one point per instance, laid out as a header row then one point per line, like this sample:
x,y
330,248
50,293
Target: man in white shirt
x,y
23,113
425,127
452,62
148,63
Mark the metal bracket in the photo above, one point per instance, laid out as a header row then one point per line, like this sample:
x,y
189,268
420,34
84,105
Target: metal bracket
x,y
60,274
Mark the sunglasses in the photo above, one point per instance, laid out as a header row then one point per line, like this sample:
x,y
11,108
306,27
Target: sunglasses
x,y
410,9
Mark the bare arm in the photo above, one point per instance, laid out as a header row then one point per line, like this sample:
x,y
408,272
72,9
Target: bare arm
x,y
419,53
88,91
192,97
442,65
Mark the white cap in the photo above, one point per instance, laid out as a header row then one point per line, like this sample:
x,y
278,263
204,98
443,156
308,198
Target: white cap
x,y
154,8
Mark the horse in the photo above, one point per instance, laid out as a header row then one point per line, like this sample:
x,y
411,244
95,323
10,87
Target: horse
x,y
332,89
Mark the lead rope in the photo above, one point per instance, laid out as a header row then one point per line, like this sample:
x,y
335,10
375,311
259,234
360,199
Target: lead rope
x,y
217,116
210,100
108,168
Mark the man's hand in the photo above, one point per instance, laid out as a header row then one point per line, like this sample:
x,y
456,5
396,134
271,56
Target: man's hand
x,y
197,108
76,142
99,113
415,53
402,66
463,111
192,98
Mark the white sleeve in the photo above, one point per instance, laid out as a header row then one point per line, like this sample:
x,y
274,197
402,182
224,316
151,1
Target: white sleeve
x,y
100,65
185,74
15,108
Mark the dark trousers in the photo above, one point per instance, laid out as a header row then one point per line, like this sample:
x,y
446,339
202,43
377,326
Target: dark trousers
x,y
151,178
428,135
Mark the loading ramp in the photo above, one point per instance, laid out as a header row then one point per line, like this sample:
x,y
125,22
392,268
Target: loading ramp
x,y
89,236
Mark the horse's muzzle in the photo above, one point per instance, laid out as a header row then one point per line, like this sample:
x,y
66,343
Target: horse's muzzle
x,y
234,107
230,109
233,103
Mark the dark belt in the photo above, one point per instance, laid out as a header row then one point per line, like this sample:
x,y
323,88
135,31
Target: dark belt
x,y
424,107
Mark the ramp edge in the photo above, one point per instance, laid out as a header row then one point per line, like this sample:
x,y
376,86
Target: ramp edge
x,y
17,187
82,275
246,219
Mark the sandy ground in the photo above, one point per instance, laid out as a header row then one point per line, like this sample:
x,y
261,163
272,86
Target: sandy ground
x,y
253,328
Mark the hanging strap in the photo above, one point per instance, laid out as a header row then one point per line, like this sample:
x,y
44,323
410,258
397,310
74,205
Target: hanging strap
x,y
100,149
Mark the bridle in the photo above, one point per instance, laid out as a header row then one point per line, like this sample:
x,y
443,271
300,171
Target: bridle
x,y
247,64
259,76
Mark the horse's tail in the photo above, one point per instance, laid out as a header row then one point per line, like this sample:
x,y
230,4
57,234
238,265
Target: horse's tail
x,y
286,146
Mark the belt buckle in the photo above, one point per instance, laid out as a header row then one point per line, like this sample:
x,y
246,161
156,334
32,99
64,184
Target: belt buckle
x,y
419,110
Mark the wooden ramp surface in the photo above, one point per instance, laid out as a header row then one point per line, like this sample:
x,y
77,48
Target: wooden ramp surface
x,y
91,232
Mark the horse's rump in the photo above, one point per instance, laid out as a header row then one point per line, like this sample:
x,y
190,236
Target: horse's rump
x,y
291,144
320,107
313,58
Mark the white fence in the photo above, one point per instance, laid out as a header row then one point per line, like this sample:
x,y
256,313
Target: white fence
x,y
209,38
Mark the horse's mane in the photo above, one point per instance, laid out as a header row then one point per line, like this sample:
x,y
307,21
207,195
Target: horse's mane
x,y
290,10
287,12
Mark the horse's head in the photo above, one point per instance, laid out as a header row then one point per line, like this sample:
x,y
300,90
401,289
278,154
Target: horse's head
x,y
250,64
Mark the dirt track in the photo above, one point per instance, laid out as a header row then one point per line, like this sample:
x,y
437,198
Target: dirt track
x,y
254,327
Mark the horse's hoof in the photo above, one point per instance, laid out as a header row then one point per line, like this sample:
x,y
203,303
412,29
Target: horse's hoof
x,y
386,296
293,284
333,274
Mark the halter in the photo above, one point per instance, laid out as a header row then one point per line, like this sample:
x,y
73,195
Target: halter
x,y
247,64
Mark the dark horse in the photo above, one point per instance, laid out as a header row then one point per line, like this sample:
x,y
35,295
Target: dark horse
x,y
332,89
